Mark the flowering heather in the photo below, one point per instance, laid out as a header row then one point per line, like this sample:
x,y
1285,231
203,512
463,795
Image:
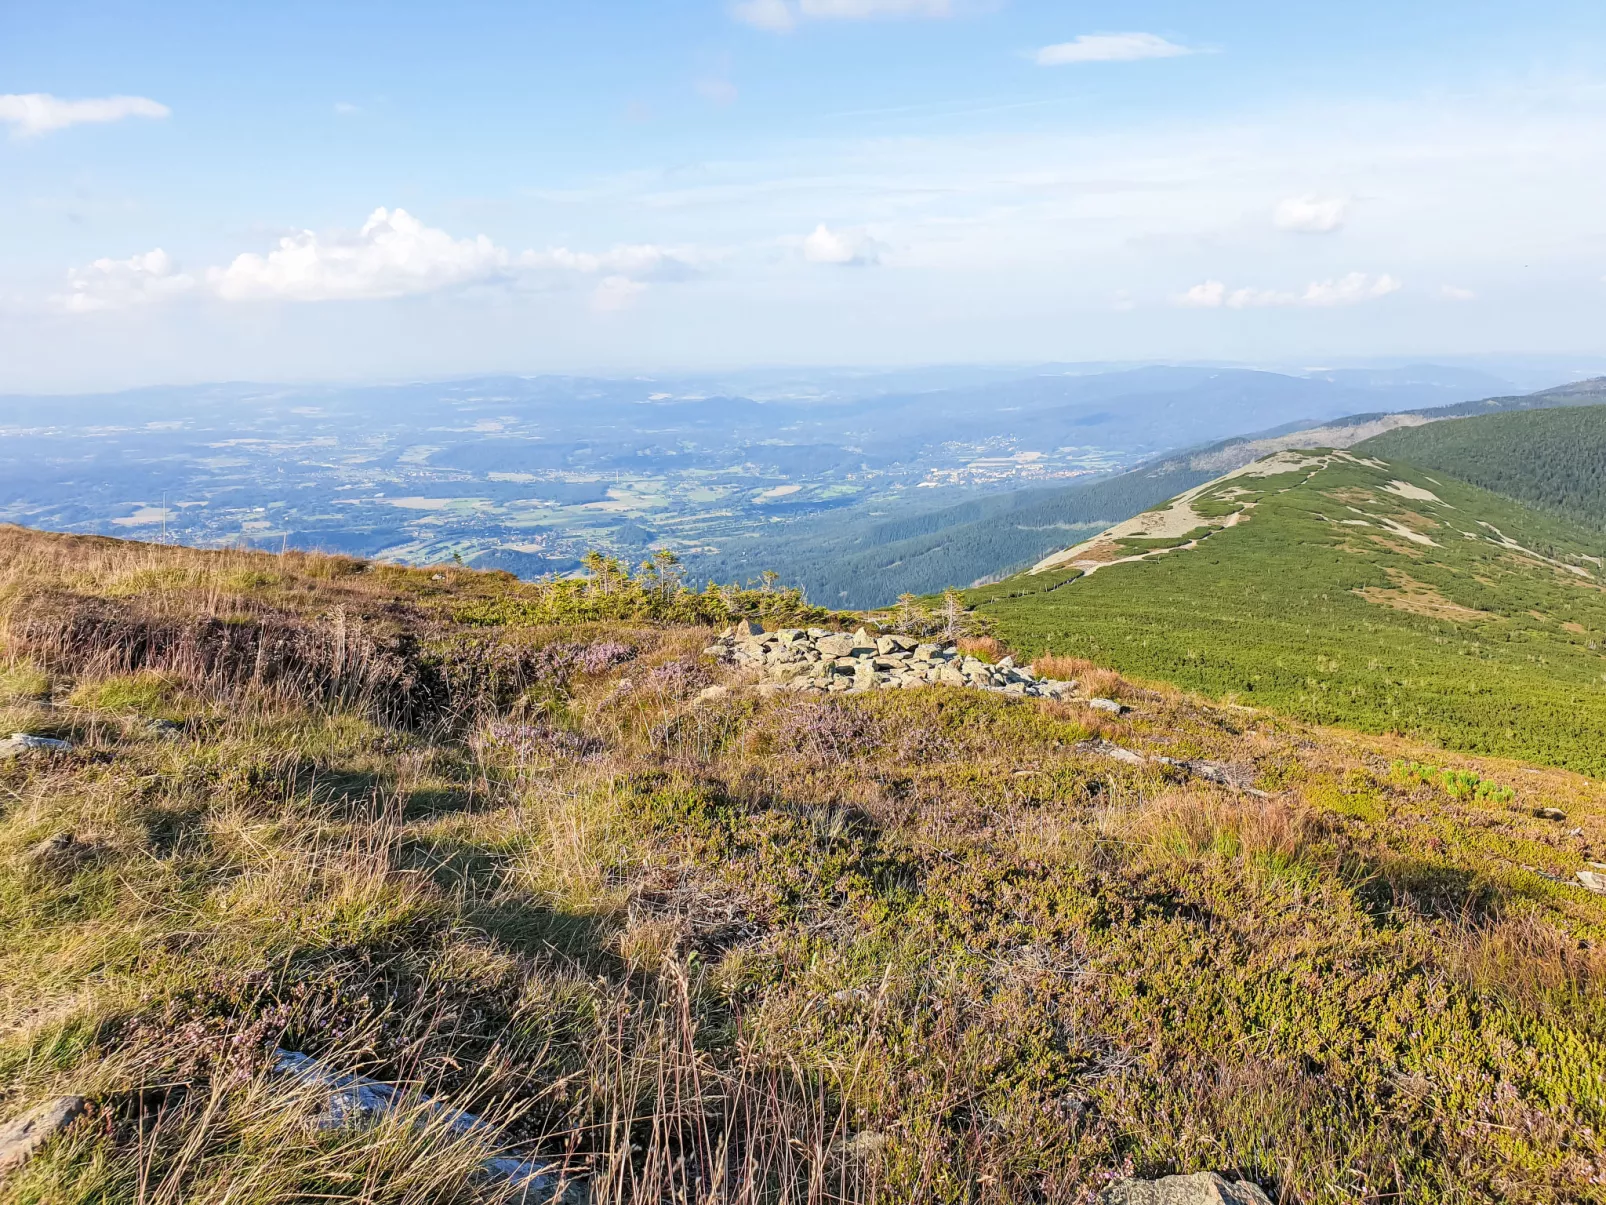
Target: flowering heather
x,y
829,731
539,740
678,679
603,655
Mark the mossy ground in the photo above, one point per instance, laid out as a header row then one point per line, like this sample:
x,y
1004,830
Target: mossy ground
x,y
918,946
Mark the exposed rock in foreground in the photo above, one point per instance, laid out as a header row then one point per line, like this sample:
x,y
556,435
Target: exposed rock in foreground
x,y
20,1139
1202,1188
820,661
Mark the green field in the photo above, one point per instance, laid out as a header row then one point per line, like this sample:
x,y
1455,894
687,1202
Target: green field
x,y
1318,605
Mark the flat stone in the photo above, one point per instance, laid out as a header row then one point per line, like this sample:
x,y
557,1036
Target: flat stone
x,y
21,743
21,1139
1202,1188
356,1100
1109,705
1592,880
713,692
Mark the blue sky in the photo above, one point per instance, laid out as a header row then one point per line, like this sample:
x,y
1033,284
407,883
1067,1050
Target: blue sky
x,y
192,191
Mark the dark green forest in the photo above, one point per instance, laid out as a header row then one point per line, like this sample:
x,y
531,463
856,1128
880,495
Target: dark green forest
x,y
1552,459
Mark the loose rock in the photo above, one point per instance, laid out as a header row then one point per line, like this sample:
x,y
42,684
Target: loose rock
x,y
819,661
1202,1188
22,1138
358,1100
1550,813
21,743
1593,880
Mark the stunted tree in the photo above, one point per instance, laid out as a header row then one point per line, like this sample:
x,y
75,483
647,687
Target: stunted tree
x,y
954,615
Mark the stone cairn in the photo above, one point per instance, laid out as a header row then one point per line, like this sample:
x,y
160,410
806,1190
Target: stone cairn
x,y
815,660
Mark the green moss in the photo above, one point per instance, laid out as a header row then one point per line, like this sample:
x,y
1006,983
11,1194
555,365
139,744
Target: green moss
x,y
144,694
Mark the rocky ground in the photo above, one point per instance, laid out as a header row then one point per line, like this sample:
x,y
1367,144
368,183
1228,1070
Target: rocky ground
x,y
818,661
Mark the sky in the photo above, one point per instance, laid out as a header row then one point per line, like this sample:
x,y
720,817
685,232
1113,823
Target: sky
x,y
357,191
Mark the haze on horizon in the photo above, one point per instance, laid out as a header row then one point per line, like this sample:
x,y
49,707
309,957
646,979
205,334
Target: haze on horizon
x,y
199,192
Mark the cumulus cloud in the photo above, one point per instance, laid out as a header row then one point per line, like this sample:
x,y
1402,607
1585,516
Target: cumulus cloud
x,y
782,16
1456,293
1109,48
1344,290
1208,295
845,248
30,114
108,284
394,254
1310,214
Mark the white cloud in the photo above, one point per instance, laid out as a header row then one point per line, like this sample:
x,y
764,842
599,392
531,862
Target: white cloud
x,y
846,248
33,113
110,284
1456,293
1345,290
1310,214
782,16
393,255
1109,48
1208,295
773,15
860,10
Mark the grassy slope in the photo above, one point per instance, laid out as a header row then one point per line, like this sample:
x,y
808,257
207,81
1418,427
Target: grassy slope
x,y
918,946
1467,644
1554,459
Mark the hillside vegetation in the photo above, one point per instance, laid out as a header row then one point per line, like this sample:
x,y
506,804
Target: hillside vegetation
x,y
1553,459
1350,591
489,842
868,563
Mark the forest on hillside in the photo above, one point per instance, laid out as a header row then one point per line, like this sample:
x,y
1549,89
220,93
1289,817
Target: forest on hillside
x,y
1553,459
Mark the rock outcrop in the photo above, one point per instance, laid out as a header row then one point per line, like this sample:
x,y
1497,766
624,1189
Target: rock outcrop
x,y
819,661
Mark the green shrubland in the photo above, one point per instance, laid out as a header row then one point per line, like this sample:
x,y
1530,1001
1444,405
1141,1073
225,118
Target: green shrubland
x,y
1460,618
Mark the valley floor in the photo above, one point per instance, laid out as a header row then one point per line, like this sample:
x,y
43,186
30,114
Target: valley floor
x,y
918,945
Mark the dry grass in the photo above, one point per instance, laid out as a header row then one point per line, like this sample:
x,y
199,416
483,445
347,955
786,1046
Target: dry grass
x,y
911,946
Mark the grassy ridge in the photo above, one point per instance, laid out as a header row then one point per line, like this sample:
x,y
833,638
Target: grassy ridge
x,y
926,946
1315,606
1553,459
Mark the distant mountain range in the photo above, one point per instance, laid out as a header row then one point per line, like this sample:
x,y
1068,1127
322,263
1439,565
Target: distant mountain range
x,y
857,485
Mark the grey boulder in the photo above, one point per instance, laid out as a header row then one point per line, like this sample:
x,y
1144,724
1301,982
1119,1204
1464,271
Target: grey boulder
x,y
1201,1188
21,1139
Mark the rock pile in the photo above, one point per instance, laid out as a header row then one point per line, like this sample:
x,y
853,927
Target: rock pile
x,y
819,661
